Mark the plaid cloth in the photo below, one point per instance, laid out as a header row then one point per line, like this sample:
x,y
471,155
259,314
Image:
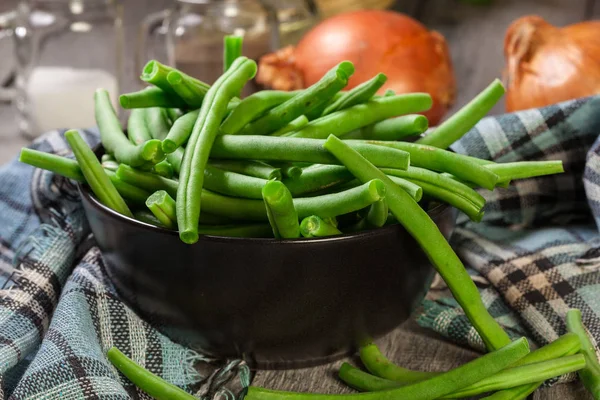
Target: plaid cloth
x,y
59,313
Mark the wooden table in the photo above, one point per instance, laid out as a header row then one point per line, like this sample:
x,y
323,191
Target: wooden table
x,y
475,35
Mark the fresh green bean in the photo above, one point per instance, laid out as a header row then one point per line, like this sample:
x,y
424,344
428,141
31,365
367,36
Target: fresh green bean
x,y
156,74
416,221
232,183
60,165
132,193
146,180
296,124
150,97
147,217
360,94
245,230
303,150
301,104
256,169
174,114
413,189
363,381
186,89
590,375
114,140
361,115
475,213
144,379
517,393
392,128
317,178
314,226
163,207
443,161
525,169
433,388
180,131
288,170
201,141
95,176
281,212
378,214
253,107
164,168
175,159
137,128
232,50
157,121
464,119
110,165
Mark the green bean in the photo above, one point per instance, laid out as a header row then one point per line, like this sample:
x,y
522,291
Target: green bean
x,y
144,379
201,141
516,393
245,230
146,180
590,375
150,97
180,131
137,128
296,124
443,161
464,119
110,165
114,140
301,104
232,50
60,165
175,159
317,178
132,193
256,169
413,189
147,217
363,381
281,212
302,150
233,184
163,207
315,226
252,107
525,169
396,128
361,115
186,89
156,74
95,176
288,170
474,212
164,168
174,114
360,94
416,221
378,214
433,388
157,121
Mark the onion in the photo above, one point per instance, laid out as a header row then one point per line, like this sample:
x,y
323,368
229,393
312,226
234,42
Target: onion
x,y
547,65
413,58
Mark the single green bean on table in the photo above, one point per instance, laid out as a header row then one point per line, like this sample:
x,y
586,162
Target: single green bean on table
x,y
361,115
296,124
257,169
317,178
272,148
281,212
590,375
232,50
252,107
114,140
189,92
95,176
150,97
357,95
156,73
301,104
163,207
420,226
61,165
442,161
397,128
474,212
433,388
137,128
314,226
200,142
180,131
164,168
464,119
151,384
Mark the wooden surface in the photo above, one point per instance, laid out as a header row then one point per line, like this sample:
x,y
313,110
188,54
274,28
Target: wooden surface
x,y
475,35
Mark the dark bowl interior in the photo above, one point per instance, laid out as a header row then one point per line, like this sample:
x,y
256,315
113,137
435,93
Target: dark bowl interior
x,y
276,303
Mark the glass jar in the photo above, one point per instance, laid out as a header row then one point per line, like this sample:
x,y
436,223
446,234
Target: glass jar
x,y
189,35
296,17
64,50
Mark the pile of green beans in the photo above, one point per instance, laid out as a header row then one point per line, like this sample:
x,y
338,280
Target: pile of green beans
x,y
312,163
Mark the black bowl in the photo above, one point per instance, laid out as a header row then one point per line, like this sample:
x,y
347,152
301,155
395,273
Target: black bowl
x,y
276,303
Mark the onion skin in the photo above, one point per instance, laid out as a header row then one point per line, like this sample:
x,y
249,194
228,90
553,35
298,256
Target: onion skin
x,y
413,58
547,65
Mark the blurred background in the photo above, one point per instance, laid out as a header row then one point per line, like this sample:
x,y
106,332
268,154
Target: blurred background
x,y
46,76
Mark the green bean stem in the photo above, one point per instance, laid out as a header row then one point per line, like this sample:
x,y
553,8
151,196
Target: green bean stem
x,y
150,97
95,176
416,221
201,141
433,388
191,93
163,207
462,121
361,115
232,50
137,128
314,226
590,375
397,128
302,150
256,169
301,104
360,94
317,178
281,212
296,124
180,131
153,385
114,140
